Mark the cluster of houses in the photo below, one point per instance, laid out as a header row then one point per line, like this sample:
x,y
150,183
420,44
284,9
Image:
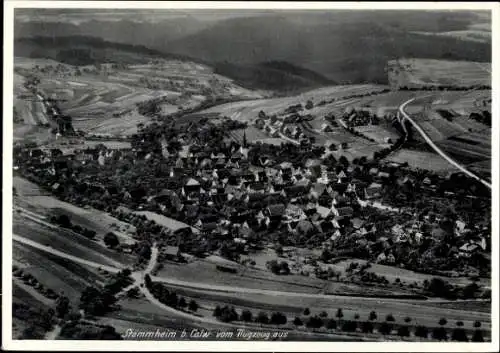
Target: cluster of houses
x,y
220,193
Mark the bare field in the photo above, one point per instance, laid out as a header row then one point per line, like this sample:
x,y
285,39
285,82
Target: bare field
x,y
428,72
421,159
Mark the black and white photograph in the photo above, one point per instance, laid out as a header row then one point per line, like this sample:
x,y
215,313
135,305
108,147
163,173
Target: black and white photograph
x,y
246,176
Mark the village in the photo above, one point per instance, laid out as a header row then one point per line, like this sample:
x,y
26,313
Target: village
x,y
207,194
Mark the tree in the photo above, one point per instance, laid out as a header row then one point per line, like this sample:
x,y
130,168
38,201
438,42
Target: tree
x,y
273,266
278,318
323,314
439,333
477,324
459,335
217,311
111,240
421,331
403,331
443,321
228,314
133,292
279,250
314,322
144,251
331,324
62,306
246,315
284,268
470,291
349,326
262,318
339,314
438,287
373,316
407,319
96,302
478,336
389,318
297,321
326,255
307,311
64,221
367,327
182,303
193,305
356,316
309,105
385,328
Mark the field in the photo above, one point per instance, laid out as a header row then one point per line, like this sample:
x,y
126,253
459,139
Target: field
x,y
326,100
58,274
430,72
103,99
420,313
35,201
421,159
462,138
164,221
253,135
69,145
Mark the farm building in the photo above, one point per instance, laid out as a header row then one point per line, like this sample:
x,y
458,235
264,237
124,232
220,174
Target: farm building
x,y
172,253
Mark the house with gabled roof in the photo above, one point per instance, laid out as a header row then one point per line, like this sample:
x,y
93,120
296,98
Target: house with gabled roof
x,y
343,212
373,191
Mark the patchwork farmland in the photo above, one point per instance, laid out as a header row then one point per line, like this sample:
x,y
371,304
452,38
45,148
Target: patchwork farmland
x,y
429,72
103,99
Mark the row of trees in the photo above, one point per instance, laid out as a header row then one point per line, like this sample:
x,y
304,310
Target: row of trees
x,y
30,280
169,298
65,222
229,314
387,327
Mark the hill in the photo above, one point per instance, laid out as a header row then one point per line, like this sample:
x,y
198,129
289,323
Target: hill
x,y
344,51
85,50
343,46
273,75
150,34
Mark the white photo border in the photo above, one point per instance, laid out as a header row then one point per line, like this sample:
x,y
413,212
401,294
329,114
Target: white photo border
x,y
56,345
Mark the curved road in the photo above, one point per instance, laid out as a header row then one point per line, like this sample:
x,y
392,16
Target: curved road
x,y
436,148
138,277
